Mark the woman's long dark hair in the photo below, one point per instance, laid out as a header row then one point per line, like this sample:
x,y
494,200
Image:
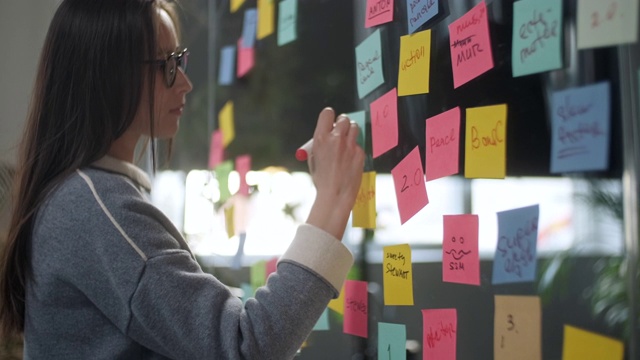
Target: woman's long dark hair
x,y
88,88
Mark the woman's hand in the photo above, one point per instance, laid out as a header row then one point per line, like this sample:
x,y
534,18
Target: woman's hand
x,y
336,163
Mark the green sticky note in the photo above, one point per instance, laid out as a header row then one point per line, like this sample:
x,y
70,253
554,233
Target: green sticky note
x,y
369,64
258,274
537,36
359,118
287,19
392,339
222,175
247,292
323,321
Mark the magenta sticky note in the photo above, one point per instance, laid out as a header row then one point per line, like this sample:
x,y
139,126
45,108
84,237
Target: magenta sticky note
x,y
439,334
378,12
460,259
243,165
246,59
411,191
216,150
384,123
470,45
356,308
442,148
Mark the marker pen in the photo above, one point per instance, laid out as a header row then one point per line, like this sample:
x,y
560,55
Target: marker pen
x,y
302,154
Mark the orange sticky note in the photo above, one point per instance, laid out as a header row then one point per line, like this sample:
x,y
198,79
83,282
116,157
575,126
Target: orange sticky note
x,y
364,209
517,328
415,58
337,304
397,275
225,118
586,345
439,333
460,258
234,5
384,123
216,150
408,179
246,59
486,142
378,12
265,18
356,308
442,144
470,45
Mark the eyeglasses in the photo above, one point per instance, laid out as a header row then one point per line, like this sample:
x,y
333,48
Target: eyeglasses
x,y
170,65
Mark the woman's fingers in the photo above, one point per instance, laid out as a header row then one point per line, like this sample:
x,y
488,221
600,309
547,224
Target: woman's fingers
x,y
325,122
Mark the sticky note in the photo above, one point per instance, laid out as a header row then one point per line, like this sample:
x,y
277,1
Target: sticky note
x,y
287,18
360,118
537,36
439,333
486,142
392,341
246,60
517,328
222,175
266,9
378,12
249,28
419,12
234,5
581,344
270,266
356,308
411,191
581,120
606,22
243,165
229,221
247,292
397,275
257,274
369,64
470,45
415,57
442,154
515,257
227,60
216,150
225,118
384,123
460,258
364,209
323,322
337,304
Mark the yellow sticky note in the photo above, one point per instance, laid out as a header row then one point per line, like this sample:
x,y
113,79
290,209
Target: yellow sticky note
x,y
585,345
397,275
266,15
415,58
337,304
364,209
486,142
234,5
225,118
229,221
517,328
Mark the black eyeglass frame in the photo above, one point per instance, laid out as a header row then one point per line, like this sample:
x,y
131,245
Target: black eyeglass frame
x,y
175,59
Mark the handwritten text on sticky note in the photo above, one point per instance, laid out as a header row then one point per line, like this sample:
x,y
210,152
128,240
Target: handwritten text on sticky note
x,y
397,275
384,123
415,57
486,142
369,64
392,341
364,209
287,18
356,308
439,333
515,257
460,259
606,22
442,134
419,12
378,12
408,179
517,328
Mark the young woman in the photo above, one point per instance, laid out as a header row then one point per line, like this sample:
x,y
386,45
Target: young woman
x,y
92,270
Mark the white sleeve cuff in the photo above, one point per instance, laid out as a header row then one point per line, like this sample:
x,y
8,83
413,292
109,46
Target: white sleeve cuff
x,y
322,253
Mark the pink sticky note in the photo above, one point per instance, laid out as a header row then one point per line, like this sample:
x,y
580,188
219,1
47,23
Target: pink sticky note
x,y
246,59
216,150
442,144
271,266
439,332
243,165
411,192
356,308
384,123
460,260
470,45
378,12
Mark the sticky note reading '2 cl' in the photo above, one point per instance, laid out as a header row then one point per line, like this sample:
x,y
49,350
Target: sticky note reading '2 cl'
x,y
486,142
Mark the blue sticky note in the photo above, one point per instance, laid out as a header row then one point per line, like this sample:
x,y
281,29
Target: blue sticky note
x,y
249,28
581,119
419,12
515,257
359,118
392,341
247,291
227,62
369,64
323,322
537,36
287,18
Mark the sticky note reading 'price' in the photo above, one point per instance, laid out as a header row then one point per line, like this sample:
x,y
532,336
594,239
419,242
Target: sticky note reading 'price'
x,y
411,191
442,134
439,333
384,123
517,328
397,275
460,259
